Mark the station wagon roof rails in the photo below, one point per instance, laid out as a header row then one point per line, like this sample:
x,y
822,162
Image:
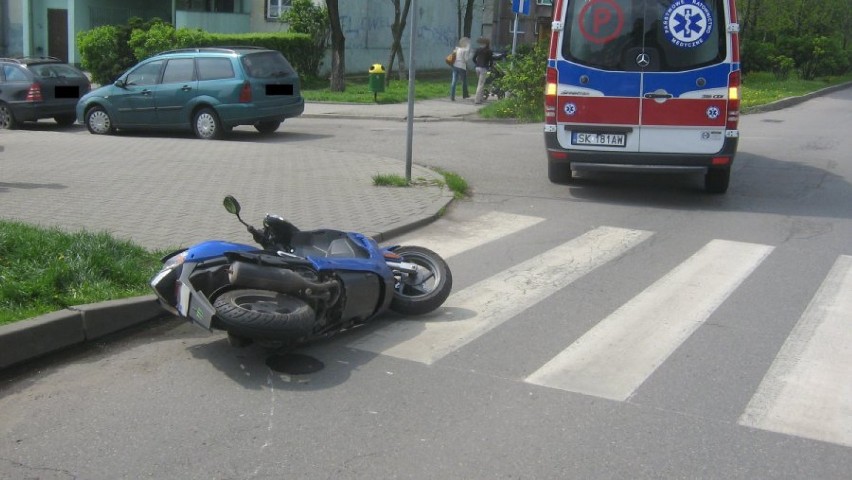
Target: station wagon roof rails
x,y
28,59
211,49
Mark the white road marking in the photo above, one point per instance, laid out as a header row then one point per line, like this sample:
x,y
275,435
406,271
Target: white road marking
x,y
460,237
807,391
487,304
617,355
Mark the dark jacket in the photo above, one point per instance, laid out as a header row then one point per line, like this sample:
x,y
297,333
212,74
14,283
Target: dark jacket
x,y
483,57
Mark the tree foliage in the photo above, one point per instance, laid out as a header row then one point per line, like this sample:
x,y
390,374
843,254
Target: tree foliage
x,y
812,34
304,16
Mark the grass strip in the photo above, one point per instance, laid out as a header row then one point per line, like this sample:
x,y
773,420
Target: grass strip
x,y
45,269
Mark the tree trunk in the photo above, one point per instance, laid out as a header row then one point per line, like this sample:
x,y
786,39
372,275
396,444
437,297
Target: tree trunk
x,y
397,29
337,81
468,18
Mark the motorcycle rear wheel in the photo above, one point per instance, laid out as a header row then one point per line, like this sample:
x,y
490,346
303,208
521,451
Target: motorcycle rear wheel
x,y
426,293
264,314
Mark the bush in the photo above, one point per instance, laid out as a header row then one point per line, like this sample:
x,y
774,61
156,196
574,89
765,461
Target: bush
x,y
524,81
756,56
105,51
816,56
108,51
163,36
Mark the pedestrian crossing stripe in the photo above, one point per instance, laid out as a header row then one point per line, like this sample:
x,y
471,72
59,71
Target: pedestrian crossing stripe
x,y
807,391
483,306
617,355
456,238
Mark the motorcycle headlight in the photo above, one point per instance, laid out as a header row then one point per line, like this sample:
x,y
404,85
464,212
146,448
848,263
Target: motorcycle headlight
x,y
165,282
174,260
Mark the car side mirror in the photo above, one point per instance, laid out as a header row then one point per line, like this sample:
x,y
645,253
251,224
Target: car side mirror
x,y
232,205
119,83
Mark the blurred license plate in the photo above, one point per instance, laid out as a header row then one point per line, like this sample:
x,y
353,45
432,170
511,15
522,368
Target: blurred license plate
x,y
599,139
67,92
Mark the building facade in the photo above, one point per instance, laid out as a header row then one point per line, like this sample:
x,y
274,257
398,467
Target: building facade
x,y
49,27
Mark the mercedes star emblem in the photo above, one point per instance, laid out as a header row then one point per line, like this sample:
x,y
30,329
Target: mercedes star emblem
x,y
643,60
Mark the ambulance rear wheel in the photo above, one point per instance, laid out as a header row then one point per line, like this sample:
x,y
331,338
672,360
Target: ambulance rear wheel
x,y
559,172
716,180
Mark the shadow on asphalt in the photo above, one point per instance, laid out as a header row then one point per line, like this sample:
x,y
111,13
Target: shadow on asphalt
x,y
758,184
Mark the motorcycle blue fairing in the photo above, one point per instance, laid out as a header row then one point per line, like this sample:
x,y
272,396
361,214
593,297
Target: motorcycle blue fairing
x,y
214,248
375,263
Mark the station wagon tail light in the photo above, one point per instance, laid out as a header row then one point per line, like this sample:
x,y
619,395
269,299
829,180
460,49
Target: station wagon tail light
x,y
550,96
734,81
34,93
245,93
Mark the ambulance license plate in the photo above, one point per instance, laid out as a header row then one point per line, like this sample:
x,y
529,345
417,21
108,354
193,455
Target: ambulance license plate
x,y
599,139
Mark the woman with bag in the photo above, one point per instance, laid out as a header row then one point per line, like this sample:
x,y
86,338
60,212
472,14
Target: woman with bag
x,y
459,65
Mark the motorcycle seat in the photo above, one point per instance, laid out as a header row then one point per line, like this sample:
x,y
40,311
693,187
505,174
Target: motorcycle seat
x,y
327,244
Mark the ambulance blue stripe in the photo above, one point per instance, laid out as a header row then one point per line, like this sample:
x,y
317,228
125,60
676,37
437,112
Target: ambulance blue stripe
x,y
626,84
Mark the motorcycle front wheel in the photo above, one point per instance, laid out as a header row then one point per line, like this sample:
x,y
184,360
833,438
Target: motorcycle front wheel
x,y
425,292
264,315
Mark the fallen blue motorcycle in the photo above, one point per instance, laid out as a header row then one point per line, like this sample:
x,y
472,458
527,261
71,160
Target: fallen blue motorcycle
x,y
300,285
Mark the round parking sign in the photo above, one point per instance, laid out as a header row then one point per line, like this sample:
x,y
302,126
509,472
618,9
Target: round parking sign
x,y
601,21
688,23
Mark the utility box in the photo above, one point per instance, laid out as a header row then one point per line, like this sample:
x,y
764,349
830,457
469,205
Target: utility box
x,y
376,82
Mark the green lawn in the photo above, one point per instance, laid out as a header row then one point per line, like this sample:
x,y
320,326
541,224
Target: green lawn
x,y
762,88
44,270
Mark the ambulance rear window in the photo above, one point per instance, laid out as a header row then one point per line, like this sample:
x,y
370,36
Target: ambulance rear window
x,y
676,35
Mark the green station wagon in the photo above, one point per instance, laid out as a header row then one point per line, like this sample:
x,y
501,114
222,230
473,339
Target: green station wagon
x,y
206,90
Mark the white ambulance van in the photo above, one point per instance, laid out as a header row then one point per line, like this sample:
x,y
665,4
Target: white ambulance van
x,y
643,86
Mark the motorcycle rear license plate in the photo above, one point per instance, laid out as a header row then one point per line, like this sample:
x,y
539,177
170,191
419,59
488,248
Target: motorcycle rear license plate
x,y
599,139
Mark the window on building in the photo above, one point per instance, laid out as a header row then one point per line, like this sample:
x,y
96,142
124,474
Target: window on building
x,y
275,8
221,6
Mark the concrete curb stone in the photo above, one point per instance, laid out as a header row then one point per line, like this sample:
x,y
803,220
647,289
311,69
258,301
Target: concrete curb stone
x,y
51,332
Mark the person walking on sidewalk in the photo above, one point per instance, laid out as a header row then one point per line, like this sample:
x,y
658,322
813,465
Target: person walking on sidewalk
x,y
483,59
462,52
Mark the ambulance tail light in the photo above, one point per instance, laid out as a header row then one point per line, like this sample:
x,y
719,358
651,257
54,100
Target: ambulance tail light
x,y
550,97
734,83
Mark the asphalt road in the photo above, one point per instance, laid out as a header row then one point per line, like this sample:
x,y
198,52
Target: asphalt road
x,y
547,277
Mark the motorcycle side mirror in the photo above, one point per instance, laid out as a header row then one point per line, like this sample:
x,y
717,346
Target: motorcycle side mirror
x,y
232,205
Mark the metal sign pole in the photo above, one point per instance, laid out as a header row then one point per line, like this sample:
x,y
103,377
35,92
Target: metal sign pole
x,y
515,35
409,143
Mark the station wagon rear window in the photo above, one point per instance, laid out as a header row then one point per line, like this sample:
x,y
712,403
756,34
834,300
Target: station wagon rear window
x,y
678,35
267,65
55,70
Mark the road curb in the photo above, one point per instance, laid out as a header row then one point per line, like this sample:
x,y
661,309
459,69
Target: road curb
x,y
36,337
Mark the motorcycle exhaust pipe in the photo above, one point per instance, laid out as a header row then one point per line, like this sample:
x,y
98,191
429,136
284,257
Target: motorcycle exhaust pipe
x,y
242,274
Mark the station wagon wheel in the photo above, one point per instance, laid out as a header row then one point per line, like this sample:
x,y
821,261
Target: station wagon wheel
x,y
267,127
206,125
98,121
7,118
